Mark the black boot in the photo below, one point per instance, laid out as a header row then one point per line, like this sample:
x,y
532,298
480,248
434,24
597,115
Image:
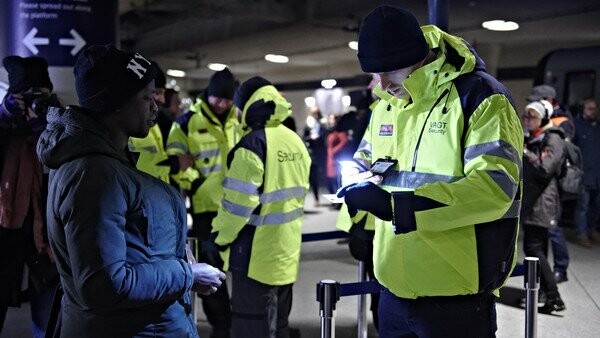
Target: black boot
x,y
552,305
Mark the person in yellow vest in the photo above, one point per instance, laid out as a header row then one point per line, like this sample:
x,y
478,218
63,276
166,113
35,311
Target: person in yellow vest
x,y
152,156
448,204
258,227
208,131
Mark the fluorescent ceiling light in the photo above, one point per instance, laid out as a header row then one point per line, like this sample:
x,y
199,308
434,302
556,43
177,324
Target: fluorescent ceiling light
x,y
328,83
353,45
175,72
346,100
500,25
277,58
216,66
310,101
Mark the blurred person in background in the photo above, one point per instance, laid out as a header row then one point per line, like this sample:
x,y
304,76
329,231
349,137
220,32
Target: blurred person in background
x,y
587,212
23,191
313,139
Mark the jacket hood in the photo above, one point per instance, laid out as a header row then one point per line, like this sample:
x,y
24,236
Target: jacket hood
x,y
265,108
70,134
455,57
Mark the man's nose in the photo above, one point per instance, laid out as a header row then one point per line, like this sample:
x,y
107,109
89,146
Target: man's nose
x,y
384,82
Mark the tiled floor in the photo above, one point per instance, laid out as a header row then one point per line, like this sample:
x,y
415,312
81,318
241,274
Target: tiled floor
x,y
329,260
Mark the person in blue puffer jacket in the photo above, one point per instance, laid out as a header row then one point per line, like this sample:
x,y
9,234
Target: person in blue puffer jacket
x,y
118,234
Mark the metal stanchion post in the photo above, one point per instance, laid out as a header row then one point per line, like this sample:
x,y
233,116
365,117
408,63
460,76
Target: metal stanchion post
x,y
532,285
328,294
192,246
362,303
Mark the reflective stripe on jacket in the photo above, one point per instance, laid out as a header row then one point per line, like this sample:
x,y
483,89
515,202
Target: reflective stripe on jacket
x,y
200,133
152,153
264,189
459,144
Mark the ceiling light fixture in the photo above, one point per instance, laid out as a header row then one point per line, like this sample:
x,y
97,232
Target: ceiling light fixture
x,y
175,73
310,101
328,83
500,25
216,66
353,45
277,58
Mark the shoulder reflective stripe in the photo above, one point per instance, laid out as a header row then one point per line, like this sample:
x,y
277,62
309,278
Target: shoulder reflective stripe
x,y
497,148
177,145
206,171
236,209
504,181
514,210
207,153
240,186
276,218
150,149
282,194
409,179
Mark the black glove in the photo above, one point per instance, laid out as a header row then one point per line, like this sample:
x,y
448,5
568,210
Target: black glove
x,y
209,253
368,197
406,203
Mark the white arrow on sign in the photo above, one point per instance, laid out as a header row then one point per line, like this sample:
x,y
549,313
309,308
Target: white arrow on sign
x,y
77,42
30,41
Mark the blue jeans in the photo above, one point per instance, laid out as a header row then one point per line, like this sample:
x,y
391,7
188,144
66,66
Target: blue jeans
x,y
587,211
559,249
433,317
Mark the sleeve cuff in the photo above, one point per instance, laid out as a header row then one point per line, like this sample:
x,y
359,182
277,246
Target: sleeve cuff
x,y
189,277
404,206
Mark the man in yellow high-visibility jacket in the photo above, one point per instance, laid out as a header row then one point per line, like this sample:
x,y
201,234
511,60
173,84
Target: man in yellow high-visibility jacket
x,y
259,223
448,206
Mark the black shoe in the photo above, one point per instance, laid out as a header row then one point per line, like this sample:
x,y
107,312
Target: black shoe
x,y
552,305
560,277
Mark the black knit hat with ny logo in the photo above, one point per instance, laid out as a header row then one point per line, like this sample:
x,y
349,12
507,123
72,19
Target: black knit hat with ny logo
x,y
106,77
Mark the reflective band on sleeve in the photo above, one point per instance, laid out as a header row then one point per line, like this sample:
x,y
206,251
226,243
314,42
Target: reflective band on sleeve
x,y
177,145
283,194
514,210
364,148
206,171
504,181
413,180
207,153
240,186
150,149
236,209
499,148
276,218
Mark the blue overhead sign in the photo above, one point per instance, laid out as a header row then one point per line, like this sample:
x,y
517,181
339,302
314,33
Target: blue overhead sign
x,y
58,30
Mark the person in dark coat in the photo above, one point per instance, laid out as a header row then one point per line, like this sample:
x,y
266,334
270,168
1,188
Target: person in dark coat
x,y
543,157
23,186
587,212
118,234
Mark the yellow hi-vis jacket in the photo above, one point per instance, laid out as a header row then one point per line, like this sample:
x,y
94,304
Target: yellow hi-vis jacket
x,y
459,144
152,154
264,189
200,133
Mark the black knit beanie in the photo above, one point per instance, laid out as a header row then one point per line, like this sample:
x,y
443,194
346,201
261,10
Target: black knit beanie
x,y
389,39
24,73
160,81
246,89
222,84
105,77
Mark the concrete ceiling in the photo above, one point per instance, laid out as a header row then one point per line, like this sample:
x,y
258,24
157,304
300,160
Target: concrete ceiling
x,y
189,34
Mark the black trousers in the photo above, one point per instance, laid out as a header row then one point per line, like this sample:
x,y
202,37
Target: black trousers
x,y
217,306
535,243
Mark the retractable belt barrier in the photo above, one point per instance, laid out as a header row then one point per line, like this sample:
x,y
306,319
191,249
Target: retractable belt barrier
x,y
329,291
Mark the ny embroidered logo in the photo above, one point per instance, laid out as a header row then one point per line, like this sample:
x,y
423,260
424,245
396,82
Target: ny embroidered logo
x,y
136,67
386,130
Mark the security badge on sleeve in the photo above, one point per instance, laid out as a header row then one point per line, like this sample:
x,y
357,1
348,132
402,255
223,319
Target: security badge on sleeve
x,y
375,175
